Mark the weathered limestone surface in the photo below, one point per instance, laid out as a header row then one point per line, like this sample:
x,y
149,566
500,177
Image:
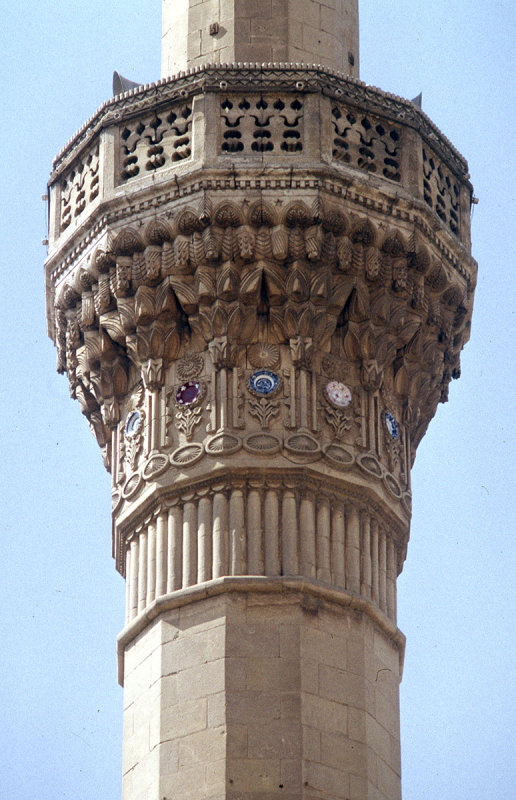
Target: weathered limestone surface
x,y
259,283
262,696
223,31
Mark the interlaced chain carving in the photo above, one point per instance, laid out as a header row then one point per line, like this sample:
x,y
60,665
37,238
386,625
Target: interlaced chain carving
x,y
262,124
441,191
155,141
80,186
366,142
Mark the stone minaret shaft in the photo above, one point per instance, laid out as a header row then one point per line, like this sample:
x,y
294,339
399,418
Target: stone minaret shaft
x,y
259,283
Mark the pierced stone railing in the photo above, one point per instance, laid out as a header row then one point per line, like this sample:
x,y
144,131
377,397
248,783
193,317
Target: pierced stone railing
x,y
224,119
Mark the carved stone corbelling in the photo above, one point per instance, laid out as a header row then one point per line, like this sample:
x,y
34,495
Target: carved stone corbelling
x,y
405,317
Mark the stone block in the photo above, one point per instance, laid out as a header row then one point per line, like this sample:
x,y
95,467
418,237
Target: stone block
x,y
291,779
273,674
201,680
210,613
311,743
216,709
310,675
236,674
258,639
188,717
202,15
342,687
216,786
245,706
168,691
291,705
250,8
237,741
339,752
263,774
331,649
136,747
329,782
187,783
169,757
189,650
277,739
289,641
203,747
388,781
325,715
356,724
387,713
378,738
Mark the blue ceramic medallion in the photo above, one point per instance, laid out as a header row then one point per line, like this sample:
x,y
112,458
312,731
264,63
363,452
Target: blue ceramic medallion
x,y
263,382
132,426
392,425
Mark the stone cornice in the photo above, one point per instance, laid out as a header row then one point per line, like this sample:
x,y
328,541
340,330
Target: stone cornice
x,y
257,585
321,180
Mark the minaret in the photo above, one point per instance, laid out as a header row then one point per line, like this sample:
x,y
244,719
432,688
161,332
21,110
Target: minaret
x,y
259,283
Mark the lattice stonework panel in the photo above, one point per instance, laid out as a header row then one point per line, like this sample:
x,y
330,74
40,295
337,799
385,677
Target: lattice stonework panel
x,y
262,124
80,186
364,141
441,190
155,141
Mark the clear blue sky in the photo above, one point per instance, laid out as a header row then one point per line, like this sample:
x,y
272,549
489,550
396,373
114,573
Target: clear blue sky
x,y
62,601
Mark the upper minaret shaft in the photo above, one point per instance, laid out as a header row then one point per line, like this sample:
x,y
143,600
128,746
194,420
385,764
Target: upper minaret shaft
x,y
227,31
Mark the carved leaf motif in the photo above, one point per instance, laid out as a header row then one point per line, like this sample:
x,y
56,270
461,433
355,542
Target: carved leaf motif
x,y
263,247
264,410
102,295
313,242
212,243
297,284
339,421
187,419
345,254
153,263
144,305
112,323
279,243
87,310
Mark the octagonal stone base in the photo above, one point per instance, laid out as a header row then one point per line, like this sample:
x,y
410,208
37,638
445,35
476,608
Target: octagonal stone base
x,y
259,696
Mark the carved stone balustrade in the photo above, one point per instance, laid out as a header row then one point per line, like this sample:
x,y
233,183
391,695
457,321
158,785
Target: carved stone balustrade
x,y
192,256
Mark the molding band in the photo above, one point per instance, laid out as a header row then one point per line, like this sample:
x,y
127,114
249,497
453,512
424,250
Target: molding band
x,y
256,585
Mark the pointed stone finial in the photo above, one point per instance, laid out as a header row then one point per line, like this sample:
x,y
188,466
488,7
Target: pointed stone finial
x,y
246,31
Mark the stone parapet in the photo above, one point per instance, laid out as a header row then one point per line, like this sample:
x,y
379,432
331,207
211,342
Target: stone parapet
x,y
238,116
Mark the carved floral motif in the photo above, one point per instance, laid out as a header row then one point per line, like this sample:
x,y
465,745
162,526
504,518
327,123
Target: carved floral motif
x,y
80,186
264,410
155,141
187,419
364,141
441,190
262,124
